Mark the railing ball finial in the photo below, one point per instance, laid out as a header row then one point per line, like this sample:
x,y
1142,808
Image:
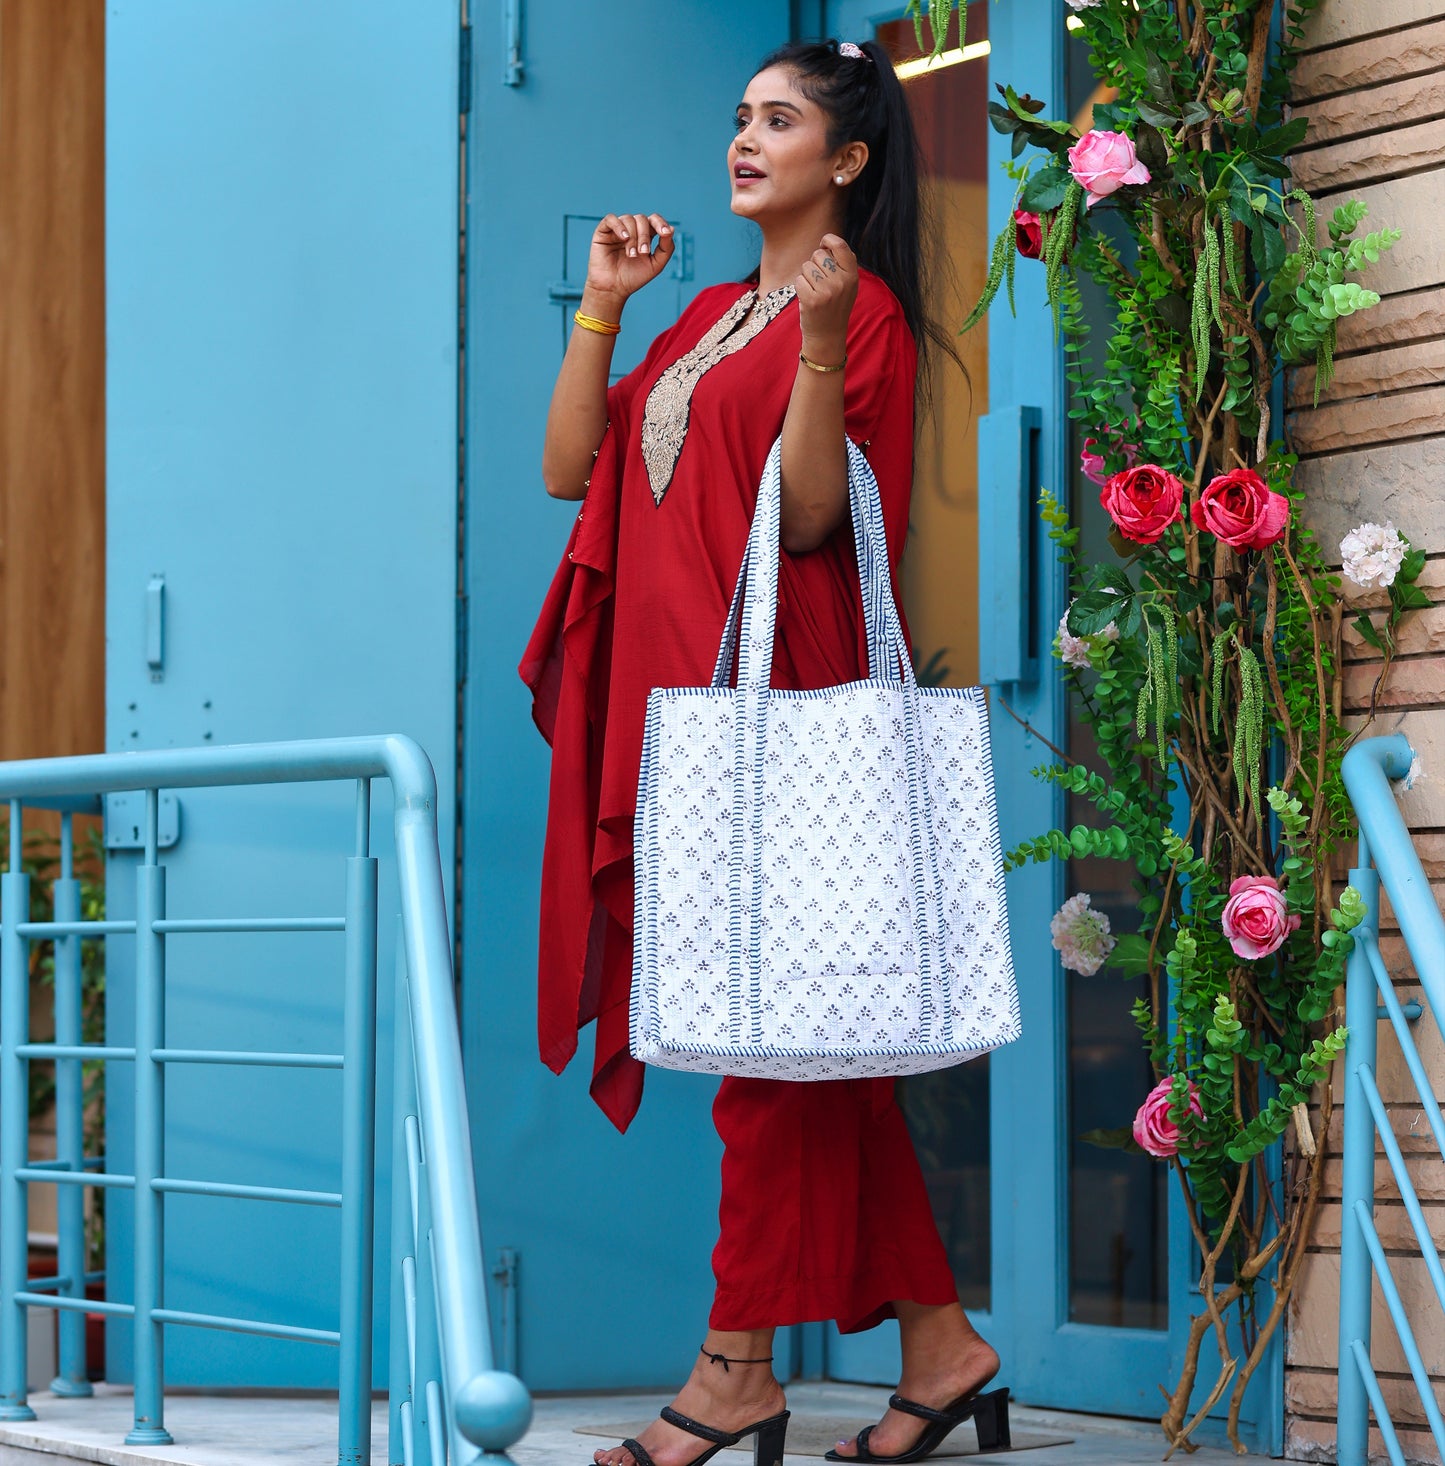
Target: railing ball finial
x,y
493,1410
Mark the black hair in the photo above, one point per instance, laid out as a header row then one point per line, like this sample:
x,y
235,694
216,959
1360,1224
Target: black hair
x,y
886,223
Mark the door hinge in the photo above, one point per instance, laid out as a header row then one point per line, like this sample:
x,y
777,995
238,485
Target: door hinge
x,y
514,72
464,73
463,621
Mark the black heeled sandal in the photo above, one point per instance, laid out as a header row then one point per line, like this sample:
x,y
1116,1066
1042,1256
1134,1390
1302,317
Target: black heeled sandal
x,y
769,1436
988,1411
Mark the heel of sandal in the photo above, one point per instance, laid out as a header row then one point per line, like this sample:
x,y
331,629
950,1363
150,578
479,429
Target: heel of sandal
x,y
770,1440
990,1415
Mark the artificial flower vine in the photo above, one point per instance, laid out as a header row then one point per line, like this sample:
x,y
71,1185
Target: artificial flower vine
x,y
1206,655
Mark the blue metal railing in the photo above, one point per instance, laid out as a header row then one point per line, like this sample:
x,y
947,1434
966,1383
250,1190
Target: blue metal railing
x,y
448,1402
1387,854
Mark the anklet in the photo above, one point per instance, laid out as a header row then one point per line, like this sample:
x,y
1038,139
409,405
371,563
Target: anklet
x,y
725,1361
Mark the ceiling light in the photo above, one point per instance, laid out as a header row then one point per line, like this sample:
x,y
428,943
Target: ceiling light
x,y
906,70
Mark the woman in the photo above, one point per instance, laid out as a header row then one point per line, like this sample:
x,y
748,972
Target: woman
x,y
824,1212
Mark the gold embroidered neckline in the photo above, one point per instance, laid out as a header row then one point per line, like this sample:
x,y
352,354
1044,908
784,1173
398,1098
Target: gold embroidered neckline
x,y
669,404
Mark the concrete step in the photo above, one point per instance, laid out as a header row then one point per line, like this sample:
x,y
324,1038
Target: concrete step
x,y
248,1430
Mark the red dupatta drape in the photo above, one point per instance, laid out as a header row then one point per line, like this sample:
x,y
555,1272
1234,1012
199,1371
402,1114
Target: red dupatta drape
x,y
639,601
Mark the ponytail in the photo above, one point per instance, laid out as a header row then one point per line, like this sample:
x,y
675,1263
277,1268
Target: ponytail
x,y
885,223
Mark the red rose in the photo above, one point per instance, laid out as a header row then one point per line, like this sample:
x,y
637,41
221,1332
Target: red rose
x,y
1242,510
1143,502
1030,234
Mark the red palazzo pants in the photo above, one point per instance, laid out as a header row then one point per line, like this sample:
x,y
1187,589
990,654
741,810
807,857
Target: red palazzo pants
x,y
824,1211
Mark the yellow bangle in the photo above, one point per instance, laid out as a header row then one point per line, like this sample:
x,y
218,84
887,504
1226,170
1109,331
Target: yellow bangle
x,y
591,323
814,366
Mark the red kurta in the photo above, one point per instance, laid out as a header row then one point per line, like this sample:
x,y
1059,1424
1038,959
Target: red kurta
x,y
639,601
824,1211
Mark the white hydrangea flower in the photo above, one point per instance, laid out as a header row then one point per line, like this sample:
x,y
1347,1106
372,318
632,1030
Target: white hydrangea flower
x,y
1078,5
1074,650
1372,554
1081,935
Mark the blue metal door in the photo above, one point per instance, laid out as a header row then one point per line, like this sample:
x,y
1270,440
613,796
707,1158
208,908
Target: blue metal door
x,y
282,229
601,1241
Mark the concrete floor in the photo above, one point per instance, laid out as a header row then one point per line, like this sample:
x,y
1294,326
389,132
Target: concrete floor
x,y
248,1430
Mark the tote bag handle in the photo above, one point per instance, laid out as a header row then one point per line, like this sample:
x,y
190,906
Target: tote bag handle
x,y
753,616
886,651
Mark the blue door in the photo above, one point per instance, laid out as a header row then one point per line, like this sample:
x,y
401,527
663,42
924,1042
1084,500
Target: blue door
x,y
1075,1261
282,229
601,1242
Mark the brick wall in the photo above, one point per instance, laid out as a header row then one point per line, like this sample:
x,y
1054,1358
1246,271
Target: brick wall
x,y
1373,83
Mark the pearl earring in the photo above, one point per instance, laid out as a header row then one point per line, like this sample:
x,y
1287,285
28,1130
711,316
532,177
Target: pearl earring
x,y
837,178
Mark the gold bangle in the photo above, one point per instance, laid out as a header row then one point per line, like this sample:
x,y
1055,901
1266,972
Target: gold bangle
x,y
591,323
814,366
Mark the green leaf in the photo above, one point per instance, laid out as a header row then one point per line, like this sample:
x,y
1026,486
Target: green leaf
x,y
1366,628
1159,116
1150,147
1130,956
1160,79
1285,138
1002,119
1095,609
1025,107
1045,189
1411,566
1120,1139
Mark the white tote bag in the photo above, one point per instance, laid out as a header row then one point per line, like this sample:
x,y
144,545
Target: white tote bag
x,y
819,883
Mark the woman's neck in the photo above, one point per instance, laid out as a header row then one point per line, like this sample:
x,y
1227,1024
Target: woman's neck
x,y
789,245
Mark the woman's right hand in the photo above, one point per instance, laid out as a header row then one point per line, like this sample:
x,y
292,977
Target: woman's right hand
x,y
622,258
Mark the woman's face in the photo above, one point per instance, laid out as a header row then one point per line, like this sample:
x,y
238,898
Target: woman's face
x,y
779,161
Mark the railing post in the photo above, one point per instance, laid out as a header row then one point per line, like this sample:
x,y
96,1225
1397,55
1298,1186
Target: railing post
x,y
358,1163
1358,1175
403,1243
14,1127
71,1378
150,1143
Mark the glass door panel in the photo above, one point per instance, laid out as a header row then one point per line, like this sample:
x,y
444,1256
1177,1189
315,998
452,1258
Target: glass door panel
x,y
947,1112
1118,1201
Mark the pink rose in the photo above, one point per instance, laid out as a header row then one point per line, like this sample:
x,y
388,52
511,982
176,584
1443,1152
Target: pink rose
x,y
1103,162
1143,502
1239,508
1153,1128
1255,919
1092,462
1030,234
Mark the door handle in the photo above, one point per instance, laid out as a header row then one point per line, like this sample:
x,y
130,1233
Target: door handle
x,y
1008,454
156,626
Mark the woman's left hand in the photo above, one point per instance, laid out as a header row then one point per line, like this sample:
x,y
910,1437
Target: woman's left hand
x,y
827,286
